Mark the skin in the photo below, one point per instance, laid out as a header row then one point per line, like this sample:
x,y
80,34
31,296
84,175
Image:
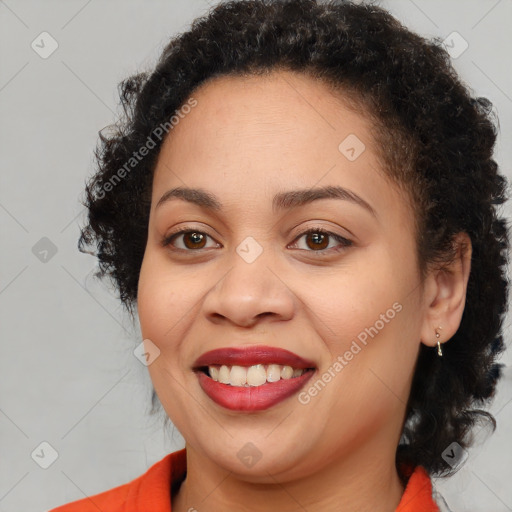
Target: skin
x,y
246,140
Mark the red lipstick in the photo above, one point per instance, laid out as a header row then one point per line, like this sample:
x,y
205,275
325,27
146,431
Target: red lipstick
x,y
255,354
251,398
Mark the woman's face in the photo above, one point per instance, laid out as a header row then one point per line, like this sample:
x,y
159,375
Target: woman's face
x,y
246,277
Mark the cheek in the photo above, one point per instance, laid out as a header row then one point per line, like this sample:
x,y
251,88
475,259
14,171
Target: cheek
x,y
370,320
168,302
158,299
160,306
350,302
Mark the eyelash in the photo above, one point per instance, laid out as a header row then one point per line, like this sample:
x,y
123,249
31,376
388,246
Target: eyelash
x,y
167,240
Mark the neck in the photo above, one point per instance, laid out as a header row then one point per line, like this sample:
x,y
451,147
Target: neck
x,y
363,481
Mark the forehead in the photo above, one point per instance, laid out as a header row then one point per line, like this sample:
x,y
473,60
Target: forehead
x,y
279,98
280,131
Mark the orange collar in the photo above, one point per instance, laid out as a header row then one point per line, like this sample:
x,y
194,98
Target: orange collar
x,y
152,491
417,496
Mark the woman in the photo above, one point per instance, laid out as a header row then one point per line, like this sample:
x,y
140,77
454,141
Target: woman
x,y
300,207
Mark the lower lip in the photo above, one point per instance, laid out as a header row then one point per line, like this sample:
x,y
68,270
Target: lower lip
x,y
252,398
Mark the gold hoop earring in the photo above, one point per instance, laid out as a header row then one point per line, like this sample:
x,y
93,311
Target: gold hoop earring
x,y
439,351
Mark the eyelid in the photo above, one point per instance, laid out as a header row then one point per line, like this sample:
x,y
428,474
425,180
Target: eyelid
x,y
345,242
167,239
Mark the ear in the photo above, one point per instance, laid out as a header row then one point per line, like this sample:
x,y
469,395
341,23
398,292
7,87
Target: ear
x,y
445,294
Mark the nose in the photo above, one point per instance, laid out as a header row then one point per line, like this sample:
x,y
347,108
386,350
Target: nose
x,y
250,293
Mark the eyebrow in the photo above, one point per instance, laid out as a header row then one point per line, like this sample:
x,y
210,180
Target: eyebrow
x,y
282,201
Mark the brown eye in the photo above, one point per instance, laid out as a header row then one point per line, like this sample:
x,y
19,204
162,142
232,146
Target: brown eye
x,y
318,240
186,240
197,240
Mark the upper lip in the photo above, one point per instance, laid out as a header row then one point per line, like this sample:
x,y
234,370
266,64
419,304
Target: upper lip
x,y
252,355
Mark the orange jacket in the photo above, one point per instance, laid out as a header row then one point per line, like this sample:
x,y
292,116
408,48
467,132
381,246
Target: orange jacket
x,y
151,491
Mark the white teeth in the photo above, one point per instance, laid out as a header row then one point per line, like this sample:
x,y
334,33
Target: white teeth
x,y
256,375
297,372
273,373
214,372
224,374
238,376
286,372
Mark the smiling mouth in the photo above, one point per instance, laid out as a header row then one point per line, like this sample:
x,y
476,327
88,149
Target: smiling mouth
x,y
255,397
252,376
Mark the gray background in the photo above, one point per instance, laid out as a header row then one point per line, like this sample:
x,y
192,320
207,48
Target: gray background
x,y
68,374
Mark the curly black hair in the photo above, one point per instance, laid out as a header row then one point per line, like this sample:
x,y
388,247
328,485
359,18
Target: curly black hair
x,y
435,140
